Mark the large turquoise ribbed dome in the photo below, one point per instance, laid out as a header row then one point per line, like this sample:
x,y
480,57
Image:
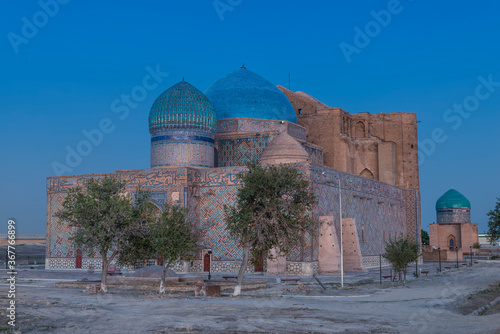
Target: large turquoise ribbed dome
x,y
246,94
452,199
182,106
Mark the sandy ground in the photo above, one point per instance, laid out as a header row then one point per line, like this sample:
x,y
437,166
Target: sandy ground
x,y
430,304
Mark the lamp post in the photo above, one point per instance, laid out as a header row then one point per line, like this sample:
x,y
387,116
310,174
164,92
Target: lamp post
x,y
456,249
471,255
439,256
210,265
341,239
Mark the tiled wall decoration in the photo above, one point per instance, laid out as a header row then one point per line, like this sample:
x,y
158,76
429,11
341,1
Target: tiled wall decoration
x,y
381,211
246,125
182,153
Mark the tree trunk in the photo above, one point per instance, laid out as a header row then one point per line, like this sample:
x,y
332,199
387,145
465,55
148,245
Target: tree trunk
x,y
243,268
164,266
104,275
105,266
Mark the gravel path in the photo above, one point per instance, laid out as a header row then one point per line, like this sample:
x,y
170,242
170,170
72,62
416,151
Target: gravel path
x,y
425,305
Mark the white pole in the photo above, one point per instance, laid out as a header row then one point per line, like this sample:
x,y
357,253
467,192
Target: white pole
x,y
341,239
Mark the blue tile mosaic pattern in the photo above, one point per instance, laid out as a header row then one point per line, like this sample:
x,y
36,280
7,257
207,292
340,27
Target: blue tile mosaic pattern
x,y
182,106
239,150
246,94
182,153
379,209
247,125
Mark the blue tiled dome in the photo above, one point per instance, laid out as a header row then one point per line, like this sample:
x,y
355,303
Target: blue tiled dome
x,y
182,106
452,199
246,94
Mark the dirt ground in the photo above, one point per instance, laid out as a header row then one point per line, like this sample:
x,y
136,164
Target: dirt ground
x,y
430,304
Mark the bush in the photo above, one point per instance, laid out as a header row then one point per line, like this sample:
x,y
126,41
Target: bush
x,y
401,252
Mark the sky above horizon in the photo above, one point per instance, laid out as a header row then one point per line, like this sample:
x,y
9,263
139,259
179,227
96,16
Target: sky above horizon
x,y
69,67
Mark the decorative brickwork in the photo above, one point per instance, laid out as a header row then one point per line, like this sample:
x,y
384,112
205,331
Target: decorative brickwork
x,y
378,208
186,136
453,215
412,213
182,153
240,151
373,261
302,268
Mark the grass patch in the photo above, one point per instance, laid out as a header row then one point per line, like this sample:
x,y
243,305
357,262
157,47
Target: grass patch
x,y
472,302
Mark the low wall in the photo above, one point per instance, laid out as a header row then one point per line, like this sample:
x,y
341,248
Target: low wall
x,y
432,255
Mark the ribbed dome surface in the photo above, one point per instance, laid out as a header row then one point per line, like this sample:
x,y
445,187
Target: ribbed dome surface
x,y
246,94
452,199
283,149
182,106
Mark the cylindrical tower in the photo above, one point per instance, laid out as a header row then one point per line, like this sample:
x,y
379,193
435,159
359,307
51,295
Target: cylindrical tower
x,y
182,123
452,208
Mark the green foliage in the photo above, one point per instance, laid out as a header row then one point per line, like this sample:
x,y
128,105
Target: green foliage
x,y
494,222
273,208
136,246
425,237
400,252
476,245
173,237
99,213
103,218
169,236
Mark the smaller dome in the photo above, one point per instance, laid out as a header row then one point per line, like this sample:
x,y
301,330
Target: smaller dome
x,y
182,106
452,199
283,149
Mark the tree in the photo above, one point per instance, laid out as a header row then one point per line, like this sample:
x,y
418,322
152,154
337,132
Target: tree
x,y
103,217
400,252
494,223
173,238
137,247
169,236
272,210
425,237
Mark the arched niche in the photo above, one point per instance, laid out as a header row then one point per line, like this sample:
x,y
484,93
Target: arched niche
x,y
367,173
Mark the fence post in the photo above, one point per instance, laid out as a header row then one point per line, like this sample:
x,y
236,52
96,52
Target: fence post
x,y
380,266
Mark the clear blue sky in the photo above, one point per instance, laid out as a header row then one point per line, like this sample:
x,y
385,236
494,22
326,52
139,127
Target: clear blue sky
x,y
63,76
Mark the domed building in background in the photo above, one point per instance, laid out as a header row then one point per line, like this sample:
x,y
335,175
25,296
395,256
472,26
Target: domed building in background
x,y
200,142
452,208
453,234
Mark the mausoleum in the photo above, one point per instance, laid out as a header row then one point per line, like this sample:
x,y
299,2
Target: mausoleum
x,y
201,141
